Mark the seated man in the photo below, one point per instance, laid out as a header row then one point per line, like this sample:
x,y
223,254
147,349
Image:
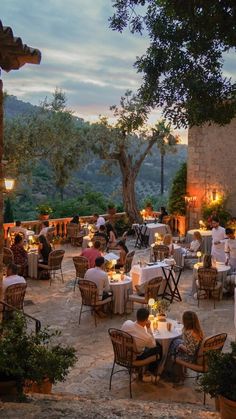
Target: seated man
x,y
98,220
145,342
102,233
45,229
18,229
92,253
99,277
12,277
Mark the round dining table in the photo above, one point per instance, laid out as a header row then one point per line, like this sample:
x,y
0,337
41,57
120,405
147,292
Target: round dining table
x,y
120,289
164,337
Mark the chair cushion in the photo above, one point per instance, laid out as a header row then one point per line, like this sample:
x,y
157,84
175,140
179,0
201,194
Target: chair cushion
x,y
137,298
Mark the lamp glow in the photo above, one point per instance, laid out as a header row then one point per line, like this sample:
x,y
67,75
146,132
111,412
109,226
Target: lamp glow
x,y
9,184
199,254
90,244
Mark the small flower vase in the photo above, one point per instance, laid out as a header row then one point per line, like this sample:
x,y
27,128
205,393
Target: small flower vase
x,y
161,317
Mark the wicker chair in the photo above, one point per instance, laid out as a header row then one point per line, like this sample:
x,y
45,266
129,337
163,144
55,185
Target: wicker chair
x,y
8,256
81,266
160,252
89,295
207,281
74,234
128,261
14,296
54,264
210,343
152,289
125,353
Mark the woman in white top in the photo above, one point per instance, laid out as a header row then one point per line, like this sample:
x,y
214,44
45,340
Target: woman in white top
x,y
195,244
230,248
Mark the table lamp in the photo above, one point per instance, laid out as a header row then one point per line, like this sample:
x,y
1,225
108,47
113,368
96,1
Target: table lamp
x,y
151,303
90,244
199,254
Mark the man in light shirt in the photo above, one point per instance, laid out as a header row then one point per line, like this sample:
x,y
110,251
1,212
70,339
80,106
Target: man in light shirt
x,y
12,278
98,220
99,277
18,229
230,248
218,241
143,337
45,229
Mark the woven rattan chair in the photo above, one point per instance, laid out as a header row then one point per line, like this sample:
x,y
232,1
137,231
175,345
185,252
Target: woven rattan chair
x,y
81,266
160,252
128,261
8,256
207,281
89,295
152,288
125,355
74,234
54,264
14,296
210,343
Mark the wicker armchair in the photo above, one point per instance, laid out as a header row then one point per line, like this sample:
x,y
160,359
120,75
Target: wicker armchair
x,y
14,296
207,281
160,252
152,289
210,343
74,234
54,264
128,261
89,295
81,266
125,353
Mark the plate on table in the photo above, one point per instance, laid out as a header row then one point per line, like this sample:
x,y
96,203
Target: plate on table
x,y
150,263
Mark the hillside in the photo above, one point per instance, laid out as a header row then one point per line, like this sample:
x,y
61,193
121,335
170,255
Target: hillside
x,y
41,186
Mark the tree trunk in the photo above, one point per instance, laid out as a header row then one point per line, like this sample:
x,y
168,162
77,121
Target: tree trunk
x,y
1,189
61,193
162,173
129,198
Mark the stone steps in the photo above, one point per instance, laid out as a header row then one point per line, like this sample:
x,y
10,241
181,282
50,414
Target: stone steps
x,y
57,406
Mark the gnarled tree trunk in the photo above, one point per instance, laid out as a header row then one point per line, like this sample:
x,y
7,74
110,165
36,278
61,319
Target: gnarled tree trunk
x,y
129,197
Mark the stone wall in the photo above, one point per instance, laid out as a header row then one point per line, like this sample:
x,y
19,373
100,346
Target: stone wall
x,y
211,166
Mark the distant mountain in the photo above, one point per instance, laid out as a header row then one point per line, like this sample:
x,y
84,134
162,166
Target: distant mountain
x,y
14,107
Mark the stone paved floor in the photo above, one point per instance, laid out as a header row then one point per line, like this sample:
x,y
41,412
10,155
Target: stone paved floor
x,y
58,306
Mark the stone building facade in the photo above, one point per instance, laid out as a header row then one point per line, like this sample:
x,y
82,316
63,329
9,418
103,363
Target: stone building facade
x,y
211,167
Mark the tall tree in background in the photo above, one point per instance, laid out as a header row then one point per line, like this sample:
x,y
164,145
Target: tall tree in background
x,y
183,65
126,144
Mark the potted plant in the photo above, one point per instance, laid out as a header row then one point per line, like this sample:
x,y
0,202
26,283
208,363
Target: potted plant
x,y
161,307
44,211
111,208
33,361
220,380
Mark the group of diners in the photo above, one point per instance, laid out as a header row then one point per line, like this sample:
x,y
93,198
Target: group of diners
x,y
184,347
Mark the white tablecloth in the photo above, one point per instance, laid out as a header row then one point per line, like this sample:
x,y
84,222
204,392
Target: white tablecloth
x,y
33,265
164,338
206,239
221,275
140,274
120,290
153,228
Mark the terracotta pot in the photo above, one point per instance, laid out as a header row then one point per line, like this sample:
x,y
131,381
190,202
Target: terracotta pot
x,y
44,388
227,408
43,217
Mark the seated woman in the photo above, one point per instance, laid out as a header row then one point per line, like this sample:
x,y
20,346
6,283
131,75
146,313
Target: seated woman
x,y
123,253
195,245
187,347
20,254
75,220
44,248
168,241
111,235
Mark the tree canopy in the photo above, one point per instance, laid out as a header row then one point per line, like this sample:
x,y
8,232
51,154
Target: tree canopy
x,y
183,65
